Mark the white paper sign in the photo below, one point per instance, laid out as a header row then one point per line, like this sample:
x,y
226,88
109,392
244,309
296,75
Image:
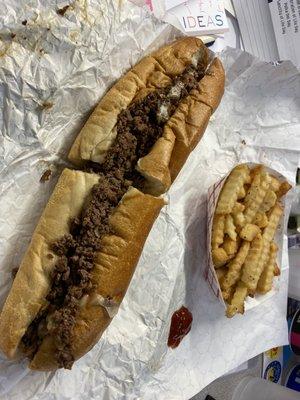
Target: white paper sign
x,y
193,17
202,16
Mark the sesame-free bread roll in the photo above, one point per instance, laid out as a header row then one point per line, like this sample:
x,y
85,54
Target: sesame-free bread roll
x,y
32,281
183,129
153,71
114,267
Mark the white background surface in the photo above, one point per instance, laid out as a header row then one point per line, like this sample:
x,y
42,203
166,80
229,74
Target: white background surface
x,y
84,54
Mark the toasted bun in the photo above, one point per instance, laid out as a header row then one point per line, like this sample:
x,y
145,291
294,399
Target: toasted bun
x,y
32,282
114,267
183,130
155,165
189,121
152,72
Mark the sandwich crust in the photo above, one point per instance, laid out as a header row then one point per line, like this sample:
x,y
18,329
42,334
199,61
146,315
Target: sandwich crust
x,y
152,72
181,132
32,281
189,121
115,264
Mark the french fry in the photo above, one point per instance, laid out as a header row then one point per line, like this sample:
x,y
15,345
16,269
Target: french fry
x,y
237,215
254,171
231,189
268,202
230,227
253,271
256,193
276,270
253,278
238,207
241,193
221,272
230,246
274,217
252,260
265,281
218,231
274,184
237,302
260,266
228,293
247,185
249,231
283,189
234,267
219,257
261,219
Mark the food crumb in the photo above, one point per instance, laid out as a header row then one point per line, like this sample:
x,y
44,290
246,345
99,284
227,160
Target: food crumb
x,y
62,11
47,105
244,142
46,175
12,35
24,22
14,272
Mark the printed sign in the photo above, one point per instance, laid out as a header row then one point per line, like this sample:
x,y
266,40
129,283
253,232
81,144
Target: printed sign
x,y
203,16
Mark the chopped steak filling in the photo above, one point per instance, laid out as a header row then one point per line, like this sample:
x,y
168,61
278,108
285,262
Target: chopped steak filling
x,y
138,128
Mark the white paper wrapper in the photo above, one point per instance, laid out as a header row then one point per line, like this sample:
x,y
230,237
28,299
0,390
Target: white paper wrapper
x,y
210,272
85,51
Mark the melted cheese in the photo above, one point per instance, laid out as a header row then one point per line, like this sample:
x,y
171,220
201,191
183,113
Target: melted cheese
x,y
109,304
196,57
175,91
163,113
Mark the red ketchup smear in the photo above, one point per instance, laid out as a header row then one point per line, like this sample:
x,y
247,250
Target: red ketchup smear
x,y
181,324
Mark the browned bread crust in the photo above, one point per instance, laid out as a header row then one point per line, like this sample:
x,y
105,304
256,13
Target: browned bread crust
x,y
115,265
183,130
153,71
189,121
32,281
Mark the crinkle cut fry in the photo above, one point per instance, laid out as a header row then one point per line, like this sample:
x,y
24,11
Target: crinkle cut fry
x,y
237,302
234,269
231,189
218,231
266,279
253,270
251,262
256,194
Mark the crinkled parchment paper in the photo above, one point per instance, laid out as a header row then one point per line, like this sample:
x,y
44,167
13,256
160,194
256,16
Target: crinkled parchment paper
x,y
53,70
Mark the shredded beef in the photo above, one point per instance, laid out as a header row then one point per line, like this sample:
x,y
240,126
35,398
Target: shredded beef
x,y
138,128
33,335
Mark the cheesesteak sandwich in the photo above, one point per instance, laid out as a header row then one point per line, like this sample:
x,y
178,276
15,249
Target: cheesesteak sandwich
x,y
88,240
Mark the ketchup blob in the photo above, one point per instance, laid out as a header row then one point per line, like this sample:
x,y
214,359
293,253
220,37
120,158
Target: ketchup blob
x,y
181,324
